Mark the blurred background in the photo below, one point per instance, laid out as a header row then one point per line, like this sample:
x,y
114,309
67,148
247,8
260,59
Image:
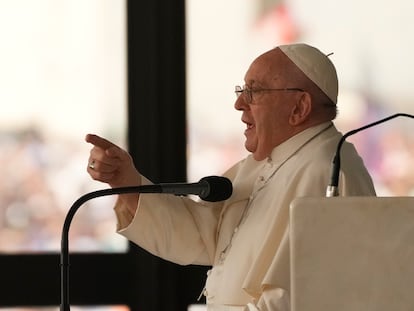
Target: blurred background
x,y
63,74
371,44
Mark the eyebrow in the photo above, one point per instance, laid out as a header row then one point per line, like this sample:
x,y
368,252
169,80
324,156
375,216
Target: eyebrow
x,y
253,83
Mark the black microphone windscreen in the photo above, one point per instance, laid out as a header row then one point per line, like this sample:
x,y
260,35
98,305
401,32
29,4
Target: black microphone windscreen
x,y
219,188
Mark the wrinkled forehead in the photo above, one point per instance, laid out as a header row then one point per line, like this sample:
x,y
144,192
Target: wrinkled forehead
x,y
272,67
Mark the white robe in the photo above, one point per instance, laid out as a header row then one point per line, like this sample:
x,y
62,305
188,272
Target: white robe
x,y
245,238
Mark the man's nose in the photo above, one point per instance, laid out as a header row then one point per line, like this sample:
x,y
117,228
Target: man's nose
x,y
240,103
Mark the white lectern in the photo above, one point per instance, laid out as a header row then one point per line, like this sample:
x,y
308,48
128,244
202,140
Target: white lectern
x,y
352,253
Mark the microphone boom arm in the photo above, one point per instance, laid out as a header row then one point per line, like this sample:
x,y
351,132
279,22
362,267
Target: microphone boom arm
x,y
210,188
332,189
64,254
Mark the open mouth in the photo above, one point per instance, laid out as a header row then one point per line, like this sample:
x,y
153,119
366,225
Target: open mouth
x,y
249,127
248,123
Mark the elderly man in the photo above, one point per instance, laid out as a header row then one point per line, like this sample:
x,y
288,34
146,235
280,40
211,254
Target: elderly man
x,y
288,103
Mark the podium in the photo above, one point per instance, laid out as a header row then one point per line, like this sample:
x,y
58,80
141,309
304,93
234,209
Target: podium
x,y
352,253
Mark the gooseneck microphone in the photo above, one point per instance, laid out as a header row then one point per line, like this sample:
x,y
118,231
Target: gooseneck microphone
x,y
332,189
211,188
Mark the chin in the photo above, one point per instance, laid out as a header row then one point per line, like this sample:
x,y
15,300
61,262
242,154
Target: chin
x,y
253,150
251,145
260,154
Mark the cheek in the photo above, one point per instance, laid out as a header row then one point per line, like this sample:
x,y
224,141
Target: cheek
x,y
270,128
264,129
266,122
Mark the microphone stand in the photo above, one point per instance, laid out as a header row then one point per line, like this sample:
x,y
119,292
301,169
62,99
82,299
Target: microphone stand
x,y
332,189
210,188
64,253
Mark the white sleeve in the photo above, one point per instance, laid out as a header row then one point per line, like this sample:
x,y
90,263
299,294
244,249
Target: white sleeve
x,y
175,228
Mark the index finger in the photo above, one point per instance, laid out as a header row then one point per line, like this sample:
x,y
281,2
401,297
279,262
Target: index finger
x,y
99,141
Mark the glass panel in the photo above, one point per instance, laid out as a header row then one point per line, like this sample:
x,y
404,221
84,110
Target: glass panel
x,y
372,60
62,76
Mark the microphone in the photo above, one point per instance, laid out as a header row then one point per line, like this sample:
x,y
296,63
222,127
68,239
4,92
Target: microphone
x,y
332,189
210,188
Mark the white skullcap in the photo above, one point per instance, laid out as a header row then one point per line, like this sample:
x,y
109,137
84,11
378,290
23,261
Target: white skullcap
x,y
315,65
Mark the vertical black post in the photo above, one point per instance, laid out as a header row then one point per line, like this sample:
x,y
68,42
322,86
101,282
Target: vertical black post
x,y
156,88
157,138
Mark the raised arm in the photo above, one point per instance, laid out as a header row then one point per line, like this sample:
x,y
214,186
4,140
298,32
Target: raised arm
x,y
113,165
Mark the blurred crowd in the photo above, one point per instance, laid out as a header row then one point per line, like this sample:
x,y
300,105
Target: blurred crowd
x,y
40,181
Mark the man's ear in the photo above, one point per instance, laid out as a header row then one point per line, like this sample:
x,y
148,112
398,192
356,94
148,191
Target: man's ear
x,y
301,110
